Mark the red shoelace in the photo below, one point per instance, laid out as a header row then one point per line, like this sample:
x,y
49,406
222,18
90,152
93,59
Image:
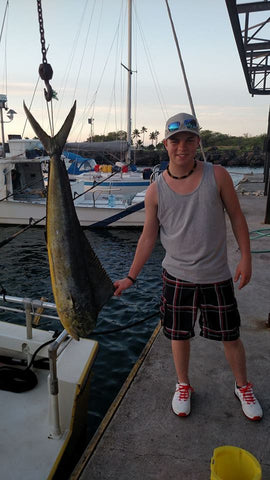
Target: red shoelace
x,y
184,391
248,393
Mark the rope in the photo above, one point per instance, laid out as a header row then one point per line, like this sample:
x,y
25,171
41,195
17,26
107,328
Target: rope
x,y
19,380
3,22
31,224
30,106
260,233
90,105
84,49
120,328
154,76
183,71
16,380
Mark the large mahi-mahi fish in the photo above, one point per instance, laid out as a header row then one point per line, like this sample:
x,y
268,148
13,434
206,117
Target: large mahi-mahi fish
x,y
80,284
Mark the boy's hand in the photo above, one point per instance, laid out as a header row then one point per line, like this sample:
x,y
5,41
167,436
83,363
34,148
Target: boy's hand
x,y
121,285
243,272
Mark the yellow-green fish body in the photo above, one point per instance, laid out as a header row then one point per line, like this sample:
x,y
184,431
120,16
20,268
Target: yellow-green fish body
x,y
79,282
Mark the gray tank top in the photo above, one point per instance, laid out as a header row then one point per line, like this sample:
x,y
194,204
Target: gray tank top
x,y
193,231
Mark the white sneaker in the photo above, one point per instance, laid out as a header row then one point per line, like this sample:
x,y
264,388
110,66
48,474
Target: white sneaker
x,y
181,399
250,405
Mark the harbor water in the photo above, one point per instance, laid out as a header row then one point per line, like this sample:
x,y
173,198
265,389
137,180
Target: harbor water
x,y
25,273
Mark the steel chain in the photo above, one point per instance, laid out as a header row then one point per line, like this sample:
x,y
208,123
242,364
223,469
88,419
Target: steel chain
x,y
45,69
41,29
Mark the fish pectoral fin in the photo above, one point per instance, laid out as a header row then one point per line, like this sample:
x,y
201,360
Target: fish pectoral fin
x,y
102,286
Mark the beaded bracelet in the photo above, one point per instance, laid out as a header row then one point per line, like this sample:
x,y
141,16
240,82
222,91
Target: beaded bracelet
x,y
131,279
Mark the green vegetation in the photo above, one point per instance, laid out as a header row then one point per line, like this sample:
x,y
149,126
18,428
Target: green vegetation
x,y
111,136
244,143
209,140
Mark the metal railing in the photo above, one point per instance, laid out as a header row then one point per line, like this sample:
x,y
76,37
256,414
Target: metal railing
x,y
29,310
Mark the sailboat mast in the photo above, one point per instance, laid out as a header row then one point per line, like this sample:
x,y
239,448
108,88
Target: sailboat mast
x,y
129,70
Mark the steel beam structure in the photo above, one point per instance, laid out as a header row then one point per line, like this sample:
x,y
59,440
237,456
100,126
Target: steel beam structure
x,y
253,42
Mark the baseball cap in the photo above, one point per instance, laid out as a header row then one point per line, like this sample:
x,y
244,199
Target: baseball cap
x,y
181,122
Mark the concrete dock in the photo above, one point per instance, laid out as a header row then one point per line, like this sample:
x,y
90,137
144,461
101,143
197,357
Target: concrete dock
x,y
141,439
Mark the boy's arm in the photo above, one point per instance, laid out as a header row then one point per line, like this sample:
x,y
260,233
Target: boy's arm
x,y
146,241
238,222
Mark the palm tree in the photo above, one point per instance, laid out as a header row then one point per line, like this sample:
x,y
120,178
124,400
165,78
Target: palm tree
x,y
152,137
156,133
135,134
143,131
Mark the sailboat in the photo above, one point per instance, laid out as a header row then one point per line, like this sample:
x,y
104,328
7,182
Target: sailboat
x,y
128,180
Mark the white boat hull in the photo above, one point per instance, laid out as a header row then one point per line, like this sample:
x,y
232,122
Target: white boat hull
x,y
19,213
20,202
125,186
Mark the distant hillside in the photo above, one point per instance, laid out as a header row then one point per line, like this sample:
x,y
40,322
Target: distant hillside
x,y
218,155
223,149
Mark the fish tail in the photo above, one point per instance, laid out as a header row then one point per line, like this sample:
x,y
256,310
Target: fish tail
x,y
52,145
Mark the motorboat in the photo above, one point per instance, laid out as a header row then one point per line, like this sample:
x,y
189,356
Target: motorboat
x,y
127,179
44,391
23,193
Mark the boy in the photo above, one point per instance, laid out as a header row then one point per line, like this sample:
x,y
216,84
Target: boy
x,y
187,204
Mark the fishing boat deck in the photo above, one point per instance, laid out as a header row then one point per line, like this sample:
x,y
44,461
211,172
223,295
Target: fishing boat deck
x,y
26,418
26,463
140,437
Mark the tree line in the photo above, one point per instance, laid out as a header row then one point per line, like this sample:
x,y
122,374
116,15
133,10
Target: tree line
x,y
138,137
209,139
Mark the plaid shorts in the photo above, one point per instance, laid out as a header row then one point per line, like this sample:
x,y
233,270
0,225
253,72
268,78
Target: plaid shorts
x,y
180,301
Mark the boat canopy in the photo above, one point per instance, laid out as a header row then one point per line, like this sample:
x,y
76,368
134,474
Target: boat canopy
x,y
116,146
79,164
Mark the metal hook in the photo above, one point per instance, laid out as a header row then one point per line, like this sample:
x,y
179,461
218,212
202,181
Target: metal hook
x,y
48,91
46,73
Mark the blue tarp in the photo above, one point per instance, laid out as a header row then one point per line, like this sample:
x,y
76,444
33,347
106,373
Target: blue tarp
x,y
79,164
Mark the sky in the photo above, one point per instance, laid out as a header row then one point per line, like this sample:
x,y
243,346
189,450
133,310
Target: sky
x,y
87,42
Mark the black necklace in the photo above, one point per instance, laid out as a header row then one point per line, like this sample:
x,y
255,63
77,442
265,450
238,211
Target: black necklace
x,y
184,176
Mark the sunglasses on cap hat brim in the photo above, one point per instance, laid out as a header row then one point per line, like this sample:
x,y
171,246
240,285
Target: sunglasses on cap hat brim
x,y
190,124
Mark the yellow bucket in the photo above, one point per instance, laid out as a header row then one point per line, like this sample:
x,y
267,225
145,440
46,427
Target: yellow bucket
x,y
109,168
233,463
